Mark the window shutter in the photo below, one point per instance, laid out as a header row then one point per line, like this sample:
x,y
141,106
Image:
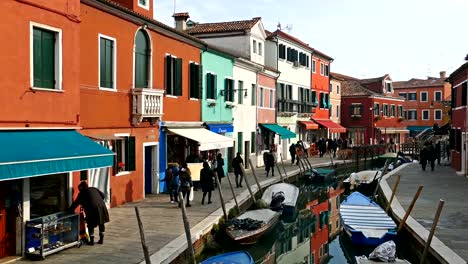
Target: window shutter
x,y
48,53
178,77
169,90
214,79
37,58
226,91
200,81
192,79
130,153
464,94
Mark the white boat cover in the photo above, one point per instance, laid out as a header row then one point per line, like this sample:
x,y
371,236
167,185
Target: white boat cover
x,y
208,140
264,215
363,177
290,191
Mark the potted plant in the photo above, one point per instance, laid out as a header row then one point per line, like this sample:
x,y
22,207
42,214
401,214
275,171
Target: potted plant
x,y
121,166
212,103
378,118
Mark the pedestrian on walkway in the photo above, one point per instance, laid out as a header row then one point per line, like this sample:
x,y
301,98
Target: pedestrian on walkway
x,y
92,201
292,152
269,160
220,167
168,177
425,155
391,145
206,181
432,155
237,164
186,184
437,152
334,147
175,183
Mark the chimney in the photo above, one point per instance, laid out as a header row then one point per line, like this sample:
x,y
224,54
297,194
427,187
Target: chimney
x,y
443,74
181,20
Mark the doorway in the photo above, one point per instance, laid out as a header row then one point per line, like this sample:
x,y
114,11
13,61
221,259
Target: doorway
x,y
151,169
10,200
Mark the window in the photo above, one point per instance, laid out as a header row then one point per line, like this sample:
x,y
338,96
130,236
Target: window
x,y
322,69
356,110
143,3
425,114
173,76
385,110
211,84
327,101
262,91
106,62
337,111
292,55
327,70
125,154
240,142
412,97
252,142
322,100
142,61
254,45
412,114
314,98
400,111
282,51
240,92
254,94
331,87
438,114
376,109
288,91
260,52
392,110
402,95
453,101
271,99
438,96
228,90
463,93
388,87
313,66
195,80
337,89
423,96
46,49
330,114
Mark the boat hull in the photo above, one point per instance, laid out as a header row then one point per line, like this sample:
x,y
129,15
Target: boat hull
x,y
246,237
358,238
240,257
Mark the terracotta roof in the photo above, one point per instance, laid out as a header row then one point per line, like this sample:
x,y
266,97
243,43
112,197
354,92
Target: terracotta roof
x,y
373,80
461,68
342,76
354,88
219,27
184,14
430,81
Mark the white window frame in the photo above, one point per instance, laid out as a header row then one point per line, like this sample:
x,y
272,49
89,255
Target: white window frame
x,y
260,48
262,95
58,56
408,114
435,116
435,96
114,64
428,114
254,46
392,106
391,87
400,113
385,107
124,157
150,60
145,6
421,97
314,66
322,69
338,89
408,96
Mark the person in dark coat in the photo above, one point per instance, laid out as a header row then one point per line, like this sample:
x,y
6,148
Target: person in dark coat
x,y
292,152
322,147
237,164
220,166
206,181
437,152
335,147
424,156
92,201
269,160
185,183
432,155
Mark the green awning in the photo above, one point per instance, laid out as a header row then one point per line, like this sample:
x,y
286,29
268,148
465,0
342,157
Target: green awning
x,y
283,132
40,152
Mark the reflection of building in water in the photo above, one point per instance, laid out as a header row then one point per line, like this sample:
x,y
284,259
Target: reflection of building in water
x,y
293,243
334,224
319,242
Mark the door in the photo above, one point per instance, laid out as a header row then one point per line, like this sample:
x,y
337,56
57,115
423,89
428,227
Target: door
x,y
7,221
148,170
247,154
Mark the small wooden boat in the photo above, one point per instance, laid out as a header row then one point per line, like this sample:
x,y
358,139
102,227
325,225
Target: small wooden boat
x,y
237,257
363,182
282,197
258,222
365,222
365,260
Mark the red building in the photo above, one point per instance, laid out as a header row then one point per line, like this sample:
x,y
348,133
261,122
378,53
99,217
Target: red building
x,y
319,239
458,135
370,111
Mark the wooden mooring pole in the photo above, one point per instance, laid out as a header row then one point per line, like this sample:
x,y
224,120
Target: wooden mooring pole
x,y
255,176
410,208
393,193
433,228
187,227
248,187
142,237
233,193
284,168
221,197
279,170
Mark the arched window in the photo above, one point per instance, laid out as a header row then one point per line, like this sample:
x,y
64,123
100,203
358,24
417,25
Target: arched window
x,y
142,59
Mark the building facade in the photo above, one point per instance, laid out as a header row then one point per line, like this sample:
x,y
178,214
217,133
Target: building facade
x,y
335,103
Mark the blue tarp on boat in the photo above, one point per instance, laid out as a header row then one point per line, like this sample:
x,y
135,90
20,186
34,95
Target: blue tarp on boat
x,y
238,257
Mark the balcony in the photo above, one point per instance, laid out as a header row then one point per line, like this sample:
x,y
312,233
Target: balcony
x,y
147,104
288,107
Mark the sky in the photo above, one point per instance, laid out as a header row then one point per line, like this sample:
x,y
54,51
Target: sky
x,y
367,38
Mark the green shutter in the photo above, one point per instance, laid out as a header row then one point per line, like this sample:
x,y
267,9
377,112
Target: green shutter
x,y
226,90
106,63
141,60
199,81
252,142
192,80
240,142
215,86
130,153
209,86
169,82
37,57
254,94
44,58
240,92
178,77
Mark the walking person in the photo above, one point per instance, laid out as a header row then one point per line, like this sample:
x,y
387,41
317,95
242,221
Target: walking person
x,y
185,184
92,201
220,167
175,183
424,156
391,147
206,181
334,147
237,164
432,155
292,152
269,160
437,152
169,186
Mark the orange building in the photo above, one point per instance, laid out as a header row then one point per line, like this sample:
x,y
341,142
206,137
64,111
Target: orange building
x,y
319,239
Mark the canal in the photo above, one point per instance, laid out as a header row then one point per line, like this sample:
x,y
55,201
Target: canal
x,y
313,236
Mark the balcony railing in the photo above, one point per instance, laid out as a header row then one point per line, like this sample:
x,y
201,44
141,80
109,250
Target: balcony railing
x,y
147,104
295,106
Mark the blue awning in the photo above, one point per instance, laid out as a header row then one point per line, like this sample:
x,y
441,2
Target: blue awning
x,y
220,128
417,128
34,153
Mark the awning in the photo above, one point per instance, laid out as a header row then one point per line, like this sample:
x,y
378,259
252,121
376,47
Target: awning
x,y
418,128
283,132
33,153
393,130
220,128
208,140
104,137
332,126
309,125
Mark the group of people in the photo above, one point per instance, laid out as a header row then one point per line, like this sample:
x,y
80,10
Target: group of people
x,y
429,154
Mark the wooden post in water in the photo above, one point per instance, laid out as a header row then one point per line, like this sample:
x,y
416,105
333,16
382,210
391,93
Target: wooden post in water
x,y
279,170
431,234
248,186
255,176
393,193
233,193
187,227
142,237
221,197
410,208
284,168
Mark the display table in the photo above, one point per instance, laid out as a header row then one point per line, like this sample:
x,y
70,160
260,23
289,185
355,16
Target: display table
x,y
51,233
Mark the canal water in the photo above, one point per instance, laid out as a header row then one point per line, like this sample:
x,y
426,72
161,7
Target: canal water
x,y
314,236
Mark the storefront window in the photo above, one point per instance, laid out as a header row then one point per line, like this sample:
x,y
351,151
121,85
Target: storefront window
x,y
49,194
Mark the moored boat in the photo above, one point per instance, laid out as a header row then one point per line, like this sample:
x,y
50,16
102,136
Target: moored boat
x,y
364,182
237,257
282,197
319,175
365,222
248,227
